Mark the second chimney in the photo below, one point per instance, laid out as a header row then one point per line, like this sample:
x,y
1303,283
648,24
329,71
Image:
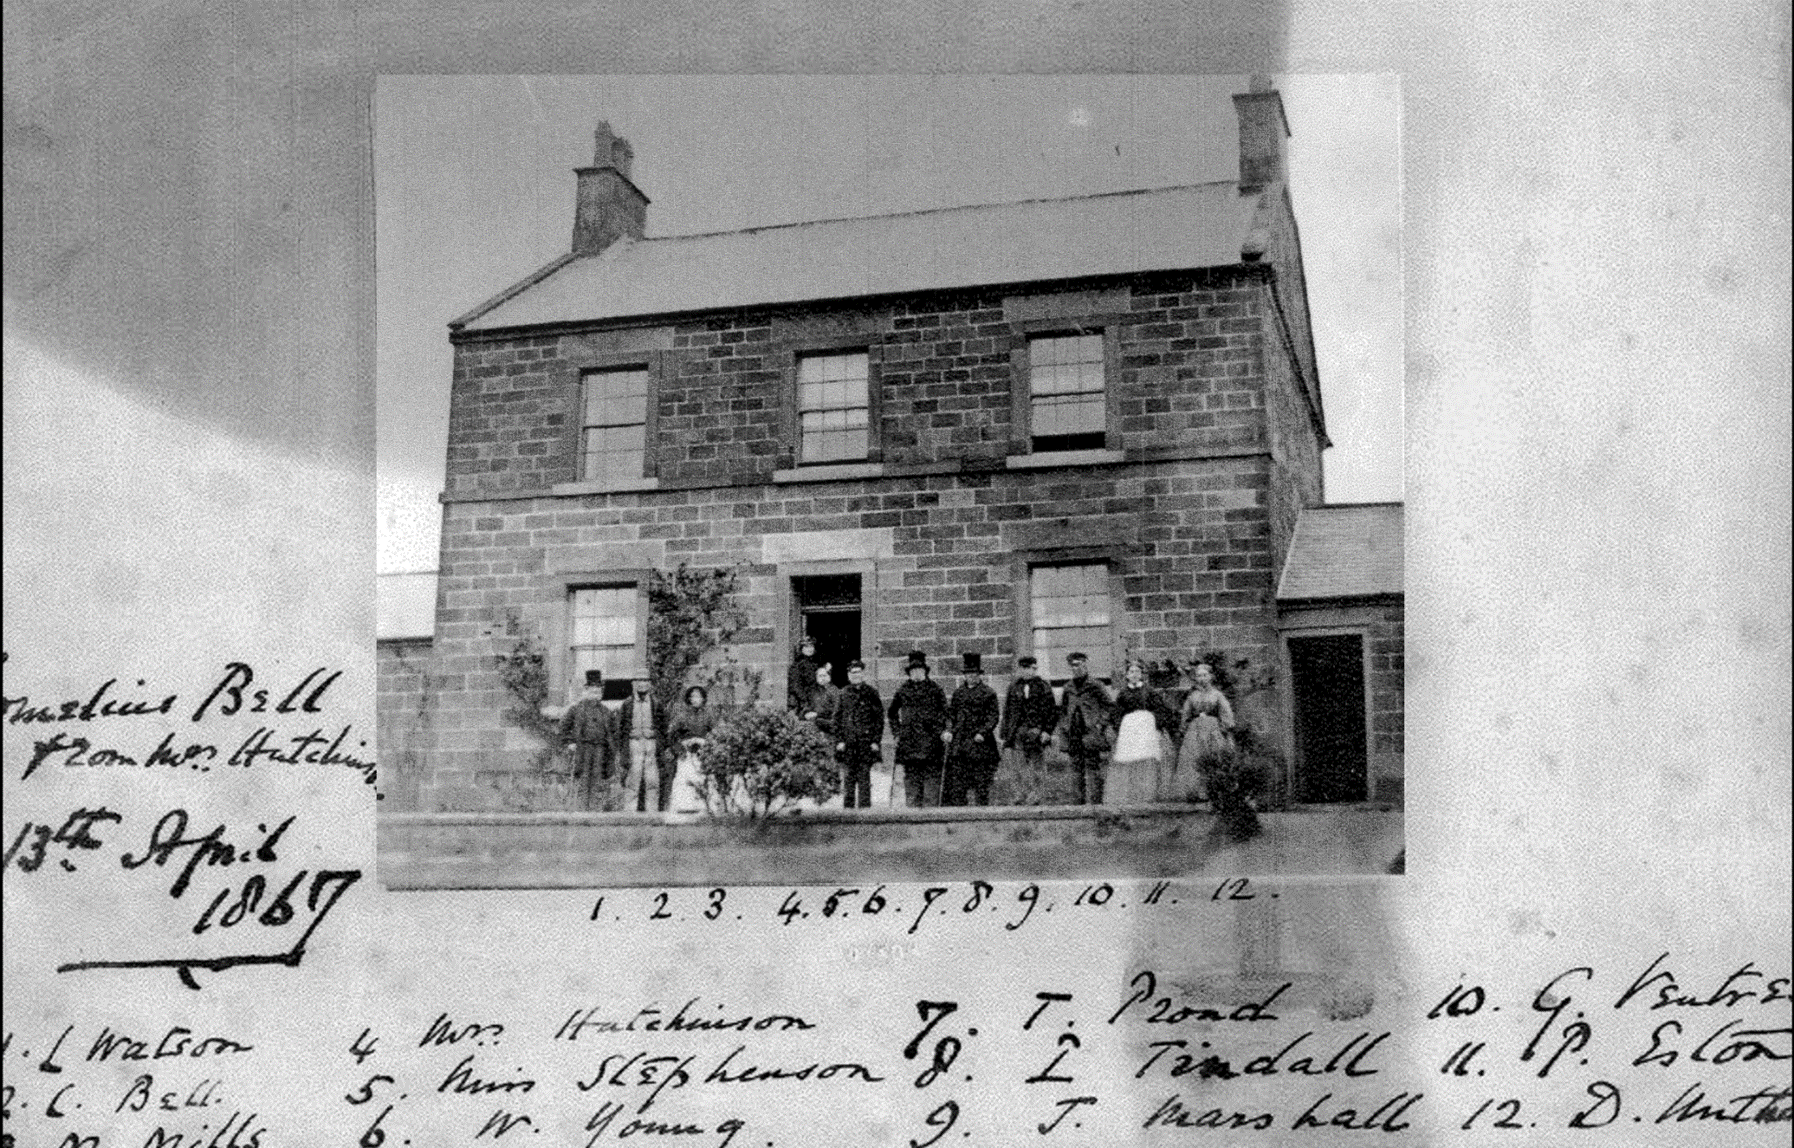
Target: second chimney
x,y
1263,128
609,207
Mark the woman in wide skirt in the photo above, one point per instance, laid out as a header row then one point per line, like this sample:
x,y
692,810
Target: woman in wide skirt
x,y
1142,758
690,729
1206,725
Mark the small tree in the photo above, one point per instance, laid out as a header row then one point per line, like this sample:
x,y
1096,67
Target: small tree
x,y
524,672
762,762
691,613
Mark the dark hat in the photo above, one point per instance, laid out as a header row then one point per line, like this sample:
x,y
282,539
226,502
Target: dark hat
x,y
917,660
1027,660
1075,657
806,640
594,677
856,664
974,663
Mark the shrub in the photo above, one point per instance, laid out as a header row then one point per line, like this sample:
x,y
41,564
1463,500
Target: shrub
x,y
524,672
763,762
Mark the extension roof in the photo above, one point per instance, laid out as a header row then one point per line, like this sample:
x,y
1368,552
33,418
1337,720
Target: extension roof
x,y
1166,229
1345,551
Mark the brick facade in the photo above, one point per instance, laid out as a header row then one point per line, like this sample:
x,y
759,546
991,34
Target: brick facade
x,y
1214,446
404,706
1387,702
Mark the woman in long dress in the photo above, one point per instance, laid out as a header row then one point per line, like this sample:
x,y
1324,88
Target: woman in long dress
x,y
1206,733
690,729
1142,720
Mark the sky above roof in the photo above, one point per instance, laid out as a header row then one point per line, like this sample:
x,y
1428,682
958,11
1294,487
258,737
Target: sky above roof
x,y
474,190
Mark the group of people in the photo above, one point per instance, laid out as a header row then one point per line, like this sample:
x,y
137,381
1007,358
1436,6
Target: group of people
x,y
636,758
1126,747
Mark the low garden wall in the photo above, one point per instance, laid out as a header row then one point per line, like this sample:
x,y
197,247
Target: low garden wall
x,y
835,846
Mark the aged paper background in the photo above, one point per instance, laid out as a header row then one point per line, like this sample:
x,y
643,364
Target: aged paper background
x,y
1598,489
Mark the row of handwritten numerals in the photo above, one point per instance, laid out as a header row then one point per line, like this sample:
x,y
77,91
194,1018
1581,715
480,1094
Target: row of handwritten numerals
x,y
935,901
944,1048
377,1093
1561,1037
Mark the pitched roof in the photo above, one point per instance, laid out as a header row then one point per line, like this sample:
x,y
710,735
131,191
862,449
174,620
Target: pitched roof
x,y
404,605
1171,228
1345,551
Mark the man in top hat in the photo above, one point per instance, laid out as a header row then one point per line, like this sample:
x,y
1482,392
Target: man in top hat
x,y
918,716
971,738
1029,715
800,679
640,730
857,724
1083,728
589,730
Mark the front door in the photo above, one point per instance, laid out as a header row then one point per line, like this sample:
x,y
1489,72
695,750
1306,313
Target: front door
x,y
1327,681
828,610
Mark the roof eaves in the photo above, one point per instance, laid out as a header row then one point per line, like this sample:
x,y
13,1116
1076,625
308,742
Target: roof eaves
x,y
513,290
650,317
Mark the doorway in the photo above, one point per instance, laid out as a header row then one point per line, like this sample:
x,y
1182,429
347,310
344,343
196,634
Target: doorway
x,y
828,608
1327,688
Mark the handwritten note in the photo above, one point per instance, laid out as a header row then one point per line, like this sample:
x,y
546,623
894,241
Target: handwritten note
x,y
207,892
1248,1026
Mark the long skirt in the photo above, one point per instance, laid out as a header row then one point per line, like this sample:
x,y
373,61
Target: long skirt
x,y
1205,745
686,778
1139,756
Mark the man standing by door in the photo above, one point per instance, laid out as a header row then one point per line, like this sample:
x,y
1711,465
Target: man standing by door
x,y
589,731
918,716
858,726
800,679
1083,729
1029,715
972,754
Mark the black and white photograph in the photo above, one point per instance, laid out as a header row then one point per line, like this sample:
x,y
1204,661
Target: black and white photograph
x,y
992,573
879,478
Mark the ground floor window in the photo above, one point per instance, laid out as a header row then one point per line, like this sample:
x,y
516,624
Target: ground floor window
x,y
1069,609
603,637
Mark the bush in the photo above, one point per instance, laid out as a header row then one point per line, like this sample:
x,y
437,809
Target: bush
x,y
763,762
524,672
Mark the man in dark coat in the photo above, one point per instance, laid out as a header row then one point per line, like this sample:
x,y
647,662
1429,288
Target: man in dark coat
x,y
1029,715
800,679
918,716
1083,729
589,731
971,738
858,727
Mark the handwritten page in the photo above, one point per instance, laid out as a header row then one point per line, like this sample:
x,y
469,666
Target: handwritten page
x,y
1590,941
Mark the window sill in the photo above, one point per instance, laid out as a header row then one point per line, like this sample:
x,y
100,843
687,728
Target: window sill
x,y
1048,458
615,486
830,473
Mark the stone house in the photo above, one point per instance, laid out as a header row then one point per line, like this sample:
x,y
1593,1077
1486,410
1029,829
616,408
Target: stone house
x,y
1090,423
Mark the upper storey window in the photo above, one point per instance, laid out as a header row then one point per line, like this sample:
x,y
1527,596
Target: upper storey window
x,y
613,424
833,408
1067,398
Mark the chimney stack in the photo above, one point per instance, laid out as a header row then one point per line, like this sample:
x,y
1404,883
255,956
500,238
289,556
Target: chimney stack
x,y
1263,128
609,207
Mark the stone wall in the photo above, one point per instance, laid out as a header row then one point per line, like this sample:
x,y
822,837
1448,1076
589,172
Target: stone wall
x,y
402,713
1190,507
1387,702
1189,379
